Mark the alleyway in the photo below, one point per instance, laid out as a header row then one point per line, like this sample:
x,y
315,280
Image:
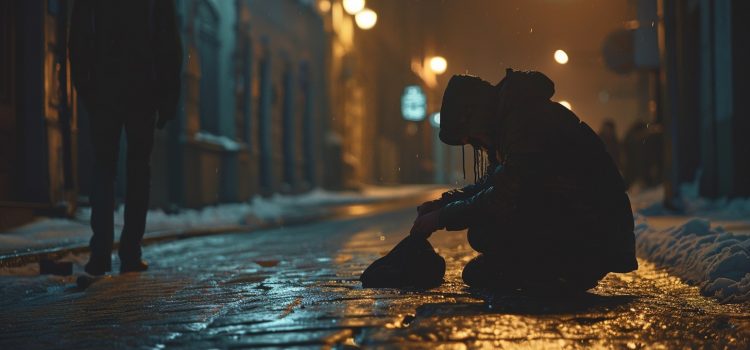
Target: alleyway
x,y
298,287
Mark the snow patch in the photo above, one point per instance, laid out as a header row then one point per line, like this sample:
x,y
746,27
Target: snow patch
x,y
64,233
712,258
219,140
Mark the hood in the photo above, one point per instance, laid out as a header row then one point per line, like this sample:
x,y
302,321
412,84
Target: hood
x,y
520,87
463,108
471,105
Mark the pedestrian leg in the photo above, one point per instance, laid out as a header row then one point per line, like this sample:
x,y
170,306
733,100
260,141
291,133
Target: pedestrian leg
x,y
105,139
139,129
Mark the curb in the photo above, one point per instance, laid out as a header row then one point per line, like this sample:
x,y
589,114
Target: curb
x,y
154,237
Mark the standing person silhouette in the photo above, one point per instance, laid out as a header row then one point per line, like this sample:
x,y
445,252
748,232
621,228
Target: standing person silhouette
x,y
126,60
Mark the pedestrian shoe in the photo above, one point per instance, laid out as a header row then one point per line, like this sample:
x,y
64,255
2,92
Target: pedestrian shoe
x,y
133,266
98,266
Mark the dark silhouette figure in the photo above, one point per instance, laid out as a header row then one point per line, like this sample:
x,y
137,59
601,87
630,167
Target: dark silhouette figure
x,y
550,214
643,152
608,134
126,60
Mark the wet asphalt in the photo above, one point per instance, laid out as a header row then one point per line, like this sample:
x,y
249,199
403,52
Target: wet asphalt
x,y
297,287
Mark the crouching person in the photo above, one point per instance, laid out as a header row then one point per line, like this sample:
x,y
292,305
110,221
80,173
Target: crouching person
x,y
549,213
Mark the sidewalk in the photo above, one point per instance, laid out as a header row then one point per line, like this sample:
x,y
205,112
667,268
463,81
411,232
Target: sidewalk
x,y
54,238
298,287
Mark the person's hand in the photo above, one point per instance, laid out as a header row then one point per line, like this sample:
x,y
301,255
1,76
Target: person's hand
x,y
426,224
428,207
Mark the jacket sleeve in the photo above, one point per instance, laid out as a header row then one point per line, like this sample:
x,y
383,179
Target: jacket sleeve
x,y
498,198
456,194
168,58
468,190
79,46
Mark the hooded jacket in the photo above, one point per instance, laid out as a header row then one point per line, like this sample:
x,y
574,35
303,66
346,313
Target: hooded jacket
x,y
126,55
556,196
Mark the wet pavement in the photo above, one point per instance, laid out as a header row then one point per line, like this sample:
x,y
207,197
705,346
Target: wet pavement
x,y
298,287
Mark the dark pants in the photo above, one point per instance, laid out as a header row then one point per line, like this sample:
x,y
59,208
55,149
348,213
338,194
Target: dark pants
x,y
106,128
506,263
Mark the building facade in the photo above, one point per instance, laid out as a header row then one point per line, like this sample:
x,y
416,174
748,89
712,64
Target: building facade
x,y
703,54
277,97
38,112
251,104
252,110
369,71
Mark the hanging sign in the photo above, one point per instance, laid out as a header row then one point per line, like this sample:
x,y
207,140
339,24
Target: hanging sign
x,y
414,103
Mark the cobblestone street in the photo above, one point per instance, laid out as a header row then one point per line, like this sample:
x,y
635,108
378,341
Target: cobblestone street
x,y
298,287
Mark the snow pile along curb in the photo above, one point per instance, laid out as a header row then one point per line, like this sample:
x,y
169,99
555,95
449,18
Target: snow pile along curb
x,y
46,234
715,260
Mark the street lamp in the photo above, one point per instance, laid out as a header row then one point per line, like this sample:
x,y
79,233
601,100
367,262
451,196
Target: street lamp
x,y
438,64
366,19
561,57
353,7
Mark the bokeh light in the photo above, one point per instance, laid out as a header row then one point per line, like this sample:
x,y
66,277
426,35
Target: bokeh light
x,y
566,104
366,19
561,57
353,7
324,6
438,64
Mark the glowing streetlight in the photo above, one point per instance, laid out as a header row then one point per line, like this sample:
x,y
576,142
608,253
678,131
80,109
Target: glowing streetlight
x,y
353,7
438,64
561,57
566,104
366,19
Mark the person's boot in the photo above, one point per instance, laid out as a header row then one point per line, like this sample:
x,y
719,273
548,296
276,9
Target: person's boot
x,y
133,266
98,266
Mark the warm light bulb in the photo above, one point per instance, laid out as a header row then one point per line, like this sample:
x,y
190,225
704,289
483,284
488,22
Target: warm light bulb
x,y
438,64
561,57
366,19
353,7
566,104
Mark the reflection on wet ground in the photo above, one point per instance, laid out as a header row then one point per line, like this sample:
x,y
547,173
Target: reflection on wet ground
x,y
298,287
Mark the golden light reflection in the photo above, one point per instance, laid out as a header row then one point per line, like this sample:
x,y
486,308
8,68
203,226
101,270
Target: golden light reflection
x,y
357,209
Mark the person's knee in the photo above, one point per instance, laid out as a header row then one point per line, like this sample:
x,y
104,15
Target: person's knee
x,y
479,237
472,274
478,272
